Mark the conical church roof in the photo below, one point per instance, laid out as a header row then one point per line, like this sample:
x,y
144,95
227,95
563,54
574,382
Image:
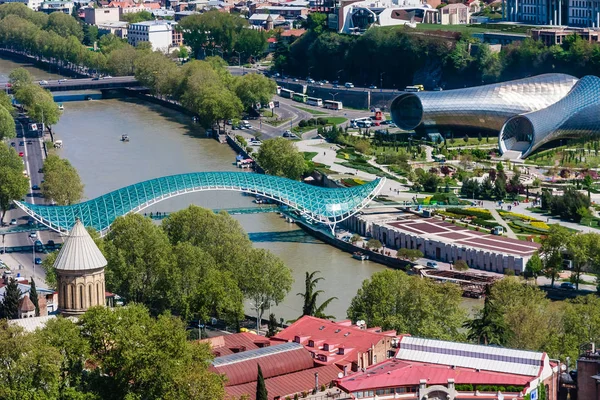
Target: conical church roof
x,y
79,252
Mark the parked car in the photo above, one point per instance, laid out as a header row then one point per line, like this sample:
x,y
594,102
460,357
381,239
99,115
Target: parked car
x,y
38,261
35,187
567,286
335,86
13,221
33,235
432,264
295,79
38,243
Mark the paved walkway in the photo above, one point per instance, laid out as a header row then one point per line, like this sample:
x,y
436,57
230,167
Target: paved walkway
x,y
502,222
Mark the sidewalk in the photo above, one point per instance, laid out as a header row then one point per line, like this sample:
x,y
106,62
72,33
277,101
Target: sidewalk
x,y
502,222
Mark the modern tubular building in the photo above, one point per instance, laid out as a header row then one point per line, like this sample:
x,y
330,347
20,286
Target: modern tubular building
x,y
485,107
575,115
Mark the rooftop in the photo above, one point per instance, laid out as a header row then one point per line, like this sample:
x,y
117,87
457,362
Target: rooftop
x,y
31,324
236,343
324,338
434,229
79,252
263,17
293,32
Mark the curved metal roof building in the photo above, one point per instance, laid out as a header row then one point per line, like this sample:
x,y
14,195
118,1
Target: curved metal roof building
x,y
484,107
575,115
325,205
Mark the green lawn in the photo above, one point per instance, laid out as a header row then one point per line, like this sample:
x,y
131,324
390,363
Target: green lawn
x,y
311,111
309,155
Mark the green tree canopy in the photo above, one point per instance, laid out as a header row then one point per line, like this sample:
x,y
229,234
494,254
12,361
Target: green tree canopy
x,y
311,295
19,77
394,300
254,88
64,25
13,185
280,157
61,181
7,124
137,17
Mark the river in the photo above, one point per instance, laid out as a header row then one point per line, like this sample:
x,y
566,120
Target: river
x,y
7,65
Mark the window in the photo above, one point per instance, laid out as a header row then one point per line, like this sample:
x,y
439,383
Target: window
x,y
81,297
89,295
311,343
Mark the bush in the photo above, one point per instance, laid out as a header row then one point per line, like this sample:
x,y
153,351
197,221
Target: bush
x,y
240,139
322,121
484,223
471,212
302,123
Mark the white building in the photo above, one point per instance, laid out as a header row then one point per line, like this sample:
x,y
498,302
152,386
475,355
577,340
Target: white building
x,y
454,14
158,33
33,4
65,7
101,16
119,29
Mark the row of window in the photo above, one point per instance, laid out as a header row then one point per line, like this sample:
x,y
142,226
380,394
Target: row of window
x,y
386,391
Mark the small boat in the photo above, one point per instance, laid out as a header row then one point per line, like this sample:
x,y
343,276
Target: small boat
x,y
360,256
124,138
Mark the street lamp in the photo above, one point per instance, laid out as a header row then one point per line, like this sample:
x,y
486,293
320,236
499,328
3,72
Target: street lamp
x,y
333,95
239,53
33,255
339,74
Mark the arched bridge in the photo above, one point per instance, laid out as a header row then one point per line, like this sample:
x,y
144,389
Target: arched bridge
x,y
325,205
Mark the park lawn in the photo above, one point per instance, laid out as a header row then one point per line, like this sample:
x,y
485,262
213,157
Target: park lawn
x,y
311,111
330,121
309,155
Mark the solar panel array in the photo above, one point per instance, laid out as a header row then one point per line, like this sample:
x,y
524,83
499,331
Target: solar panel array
x,y
488,358
256,353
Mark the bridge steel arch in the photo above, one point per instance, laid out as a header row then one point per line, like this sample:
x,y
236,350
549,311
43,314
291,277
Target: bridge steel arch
x,y
325,205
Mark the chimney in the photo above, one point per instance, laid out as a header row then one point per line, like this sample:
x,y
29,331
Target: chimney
x,y
450,384
316,381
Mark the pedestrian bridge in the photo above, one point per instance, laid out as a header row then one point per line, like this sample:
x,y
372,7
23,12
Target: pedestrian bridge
x,y
325,205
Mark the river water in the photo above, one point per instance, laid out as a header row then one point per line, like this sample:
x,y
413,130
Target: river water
x,y
37,74
164,142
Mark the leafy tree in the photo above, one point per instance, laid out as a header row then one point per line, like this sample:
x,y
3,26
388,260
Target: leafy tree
x,y
411,255
6,102
90,34
10,304
470,188
139,259
553,245
211,29
251,42
534,266
581,322
355,238
19,77
157,72
141,16
394,300
254,88
280,157
266,280
7,124
48,266
430,182
488,326
461,265
33,296
13,185
316,22
61,183
39,103
64,25
109,43
310,296
272,326
374,244
500,188
261,388
121,61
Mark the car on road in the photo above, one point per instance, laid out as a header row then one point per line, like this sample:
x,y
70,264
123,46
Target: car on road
x,y
288,133
50,243
432,264
310,80
38,243
349,85
62,80
295,79
43,82
13,221
392,125
40,171
21,154
372,87
567,286
29,142
335,86
13,144
33,235
38,261
35,187
320,83
108,77
21,143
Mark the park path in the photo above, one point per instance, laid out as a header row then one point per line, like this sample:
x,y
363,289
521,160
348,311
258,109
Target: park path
x,y
503,223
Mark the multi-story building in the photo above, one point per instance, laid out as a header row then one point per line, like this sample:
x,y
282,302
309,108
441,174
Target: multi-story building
x,y
551,37
33,4
118,28
588,375
101,16
581,13
65,7
157,33
454,14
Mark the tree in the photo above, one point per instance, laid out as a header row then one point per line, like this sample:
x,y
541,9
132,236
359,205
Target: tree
x,y
211,29
19,77
316,22
500,188
7,124
280,157
39,103
139,258
411,255
461,265
261,388
10,304
266,281
13,185
272,326
64,25
355,238
48,266
251,42
488,326
587,183
61,181
394,300
553,245
310,296
90,34
254,89
33,296
122,61
534,266
374,244
141,16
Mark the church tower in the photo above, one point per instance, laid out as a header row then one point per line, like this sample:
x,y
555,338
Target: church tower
x,y
80,273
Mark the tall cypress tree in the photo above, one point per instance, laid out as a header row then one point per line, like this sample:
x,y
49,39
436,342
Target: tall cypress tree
x,y
10,305
261,389
33,295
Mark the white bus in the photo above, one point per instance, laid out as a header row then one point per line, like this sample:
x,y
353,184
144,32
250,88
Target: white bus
x,y
333,105
313,101
286,93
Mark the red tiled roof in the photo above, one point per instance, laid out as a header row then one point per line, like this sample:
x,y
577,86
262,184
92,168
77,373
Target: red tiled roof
x,y
26,305
271,40
152,6
335,335
394,372
293,32
229,344
289,384
246,369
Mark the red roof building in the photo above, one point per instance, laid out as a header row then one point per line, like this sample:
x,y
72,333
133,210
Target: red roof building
x,y
236,343
439,369
348,346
